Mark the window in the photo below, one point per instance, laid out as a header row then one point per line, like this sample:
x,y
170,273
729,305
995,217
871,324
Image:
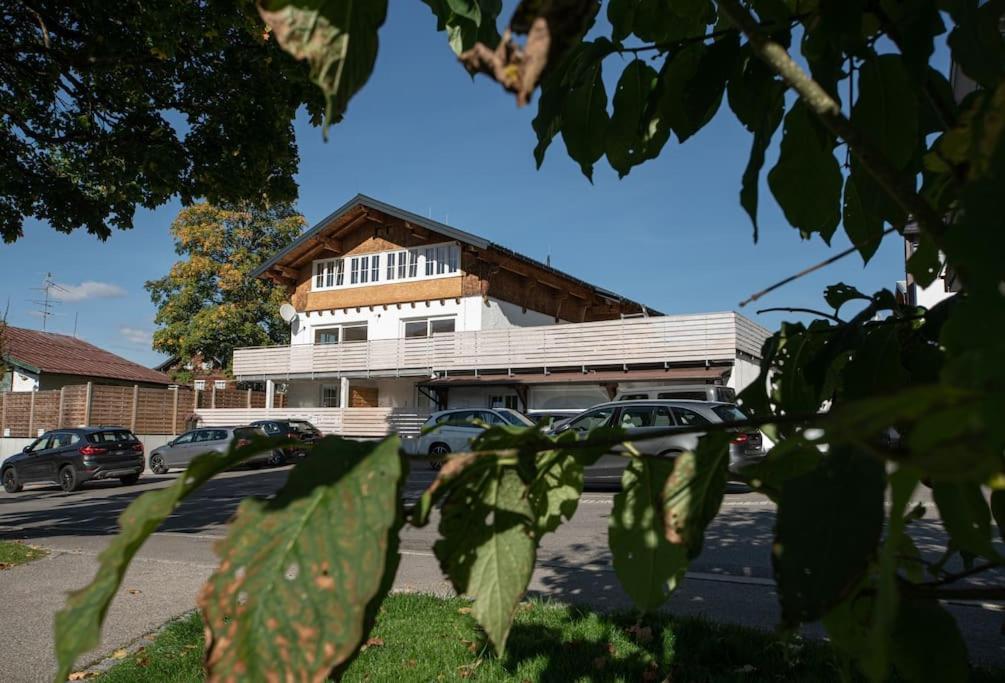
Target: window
x,y
663,418
328,335
729,413
184,438
635,397
354,333
515,418
591,420
684,395
111,437
427,327
40,444
437,260
503,401
220,384
329,396
636,417
200,384
689,418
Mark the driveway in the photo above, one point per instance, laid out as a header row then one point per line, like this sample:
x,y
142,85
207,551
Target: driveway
x,y
731,581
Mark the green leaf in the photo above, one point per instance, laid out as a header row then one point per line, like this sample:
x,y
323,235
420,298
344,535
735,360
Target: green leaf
x,y
998,510
338,38
838,295
467,22
78,624
864,228
924,265
807,180
694,491
758,100
976,41
585,119
875,368
703,91
648,566
487,547
665,108
791,458
554,494
966,516
814,570
886,110
917,23
301,575
631,140
926,644
621,16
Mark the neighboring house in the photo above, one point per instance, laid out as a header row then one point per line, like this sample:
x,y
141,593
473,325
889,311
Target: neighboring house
x,y
37,361
396,311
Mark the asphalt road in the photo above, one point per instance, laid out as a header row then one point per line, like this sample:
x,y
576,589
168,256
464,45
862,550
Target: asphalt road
x,y
730,581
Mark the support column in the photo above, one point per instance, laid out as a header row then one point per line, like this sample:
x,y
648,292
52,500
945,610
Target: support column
x,y
343,392
88,394
62,403
136,400
174,412
270,393
31,415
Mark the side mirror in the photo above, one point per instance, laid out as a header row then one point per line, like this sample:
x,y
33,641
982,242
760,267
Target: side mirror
x,y
26,448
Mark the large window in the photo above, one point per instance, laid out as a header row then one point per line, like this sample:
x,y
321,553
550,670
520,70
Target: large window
x,y
329,396
427,327
437,260
341,334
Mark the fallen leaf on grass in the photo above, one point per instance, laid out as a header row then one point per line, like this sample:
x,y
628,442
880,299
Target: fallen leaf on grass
x,y
464,610
134,591
639,633
121,653
471,645
411,664
372,642
80,675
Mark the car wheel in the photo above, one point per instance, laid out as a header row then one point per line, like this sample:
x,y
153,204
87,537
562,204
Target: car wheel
x,y
130,479
11,484
439,451
68,479
157,465
277,459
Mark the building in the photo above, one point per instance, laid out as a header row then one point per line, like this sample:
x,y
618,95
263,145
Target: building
x,y
37,361
400,315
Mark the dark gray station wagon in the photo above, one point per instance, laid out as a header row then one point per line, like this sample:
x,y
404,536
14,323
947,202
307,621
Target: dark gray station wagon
x,y
69,457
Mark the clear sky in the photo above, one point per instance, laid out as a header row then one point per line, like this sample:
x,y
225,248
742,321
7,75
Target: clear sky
x,y
423,136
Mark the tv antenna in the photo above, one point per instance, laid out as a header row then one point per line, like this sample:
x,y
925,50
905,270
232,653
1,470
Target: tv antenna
x,y
46,304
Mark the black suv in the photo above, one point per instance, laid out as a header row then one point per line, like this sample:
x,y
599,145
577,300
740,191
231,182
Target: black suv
x,y
69,457
299,430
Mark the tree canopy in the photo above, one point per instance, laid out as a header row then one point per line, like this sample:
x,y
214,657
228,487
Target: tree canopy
x,y
209,304
103,111
863,403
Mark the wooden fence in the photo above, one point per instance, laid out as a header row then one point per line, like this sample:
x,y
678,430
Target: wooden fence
x,y
365,422
141,409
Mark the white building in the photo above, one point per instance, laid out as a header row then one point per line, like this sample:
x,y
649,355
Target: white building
x,y
398,315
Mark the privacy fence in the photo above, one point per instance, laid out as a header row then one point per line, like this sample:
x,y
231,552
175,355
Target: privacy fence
x,y
143,410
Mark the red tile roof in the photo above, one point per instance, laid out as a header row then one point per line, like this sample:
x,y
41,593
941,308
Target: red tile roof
x,y
53,353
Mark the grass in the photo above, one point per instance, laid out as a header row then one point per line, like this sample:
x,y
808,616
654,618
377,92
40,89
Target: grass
x,y
424,638
13,553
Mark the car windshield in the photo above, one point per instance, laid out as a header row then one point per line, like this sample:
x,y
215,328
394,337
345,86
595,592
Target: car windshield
x,y
728,412
301,426
514,418
111,436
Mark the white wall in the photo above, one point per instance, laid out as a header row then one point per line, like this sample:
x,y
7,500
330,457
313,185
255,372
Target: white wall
x,y
744,372
566,397
9,446
24,381
502,314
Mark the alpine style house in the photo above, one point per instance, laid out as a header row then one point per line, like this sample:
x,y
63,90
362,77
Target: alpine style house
x,y
397,315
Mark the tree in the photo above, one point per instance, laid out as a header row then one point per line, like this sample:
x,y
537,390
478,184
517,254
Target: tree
x,y
863,403
102,111
209,303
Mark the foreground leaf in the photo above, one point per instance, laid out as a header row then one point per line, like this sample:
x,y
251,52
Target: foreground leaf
x,y
78,625
338,38
966,516
648,566
694,491
487,548
554,495
301,574
816,569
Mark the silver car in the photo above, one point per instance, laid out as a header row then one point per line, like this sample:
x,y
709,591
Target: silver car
x,y
180,452
457,428
639,417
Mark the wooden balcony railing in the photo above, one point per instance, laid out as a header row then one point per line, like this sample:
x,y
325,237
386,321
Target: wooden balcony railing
x,y
664,339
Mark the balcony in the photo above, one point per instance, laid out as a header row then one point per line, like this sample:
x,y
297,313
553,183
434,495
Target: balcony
x,y
715,337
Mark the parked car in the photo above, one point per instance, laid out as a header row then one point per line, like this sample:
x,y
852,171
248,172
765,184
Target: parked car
x,y
69,457
639,417
689,392
180,452
299,430
456,428
552,418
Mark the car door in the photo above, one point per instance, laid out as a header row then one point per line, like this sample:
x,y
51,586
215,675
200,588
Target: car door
x,y
685,417
62,450
460,430
33,466
177,454
205,441
606,471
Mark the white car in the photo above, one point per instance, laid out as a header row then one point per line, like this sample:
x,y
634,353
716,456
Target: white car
x,y
455,429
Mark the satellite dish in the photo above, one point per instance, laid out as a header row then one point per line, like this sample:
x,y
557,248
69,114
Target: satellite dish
x,y
287,312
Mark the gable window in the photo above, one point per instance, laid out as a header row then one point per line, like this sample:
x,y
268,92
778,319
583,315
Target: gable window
x,y
437,260
427,327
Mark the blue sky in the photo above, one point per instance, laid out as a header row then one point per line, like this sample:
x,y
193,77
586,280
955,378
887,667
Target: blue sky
x,y
423,136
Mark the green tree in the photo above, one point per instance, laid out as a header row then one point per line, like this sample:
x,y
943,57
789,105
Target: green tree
x,y
863,403
209,304
103,111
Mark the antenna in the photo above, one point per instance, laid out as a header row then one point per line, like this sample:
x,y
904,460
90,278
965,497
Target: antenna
x,y
46,304
75,314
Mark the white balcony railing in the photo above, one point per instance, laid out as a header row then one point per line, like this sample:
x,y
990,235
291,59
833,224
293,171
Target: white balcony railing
x,y
664,339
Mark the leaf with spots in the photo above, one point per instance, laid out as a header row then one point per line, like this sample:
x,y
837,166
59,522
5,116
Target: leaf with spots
x,y
78,624
693,492
301,575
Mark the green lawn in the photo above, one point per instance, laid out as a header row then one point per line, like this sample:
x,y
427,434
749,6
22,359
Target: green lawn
x,y
423,638
14,553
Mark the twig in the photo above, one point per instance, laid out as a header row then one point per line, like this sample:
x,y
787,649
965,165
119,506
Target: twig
x,y
788,309
829,113
951,578
826,262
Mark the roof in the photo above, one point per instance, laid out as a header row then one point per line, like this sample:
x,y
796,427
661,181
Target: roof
x,y
675,374
51,353
434,226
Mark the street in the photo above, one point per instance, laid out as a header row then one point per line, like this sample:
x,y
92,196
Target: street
x,y
730,581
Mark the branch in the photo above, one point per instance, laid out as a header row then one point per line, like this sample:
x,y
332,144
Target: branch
x,y
814,311
829,113
952,578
